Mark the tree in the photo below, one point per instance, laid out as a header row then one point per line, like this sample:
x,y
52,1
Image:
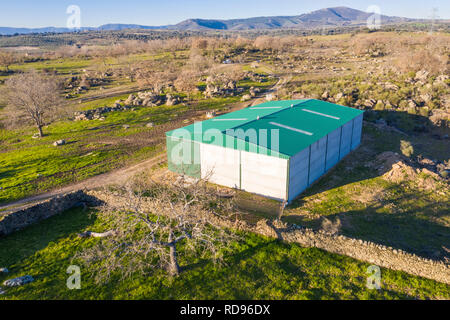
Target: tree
x,y
154,224
32,97
7,59
156,75
187,82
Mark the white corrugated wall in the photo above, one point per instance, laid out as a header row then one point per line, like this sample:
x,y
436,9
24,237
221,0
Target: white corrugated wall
x,y
220,165
264,175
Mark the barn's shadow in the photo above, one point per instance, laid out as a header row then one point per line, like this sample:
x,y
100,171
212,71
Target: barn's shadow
x,y
401,217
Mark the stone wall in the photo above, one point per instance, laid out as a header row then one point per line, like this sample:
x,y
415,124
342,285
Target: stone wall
x,y
20,218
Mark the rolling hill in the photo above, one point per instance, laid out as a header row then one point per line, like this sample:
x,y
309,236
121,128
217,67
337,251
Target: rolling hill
x,y
329,17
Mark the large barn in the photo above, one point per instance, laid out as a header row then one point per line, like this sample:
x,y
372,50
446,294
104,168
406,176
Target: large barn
x,y
276,149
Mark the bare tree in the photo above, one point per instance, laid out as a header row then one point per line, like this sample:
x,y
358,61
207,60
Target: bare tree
x,y
7,59
32,97
155,224
187,81
156,75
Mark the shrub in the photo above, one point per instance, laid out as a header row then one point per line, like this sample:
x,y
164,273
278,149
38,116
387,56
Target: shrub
x,y
406,148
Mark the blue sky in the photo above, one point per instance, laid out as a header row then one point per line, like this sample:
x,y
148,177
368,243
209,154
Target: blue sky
x,y
43,13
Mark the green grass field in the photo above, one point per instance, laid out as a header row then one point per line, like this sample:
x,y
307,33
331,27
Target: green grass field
x,y
256,268
29,166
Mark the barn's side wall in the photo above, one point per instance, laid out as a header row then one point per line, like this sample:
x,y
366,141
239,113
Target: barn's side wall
x,y
264,175
220,165
309,165
298,173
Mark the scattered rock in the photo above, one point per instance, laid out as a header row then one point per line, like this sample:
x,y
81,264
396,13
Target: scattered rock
x,y
150,125
210,115
172,100
391,86
440,118
421,75
16,282
59,143
370,103
126,126
97,114
339,96
246,97
440,80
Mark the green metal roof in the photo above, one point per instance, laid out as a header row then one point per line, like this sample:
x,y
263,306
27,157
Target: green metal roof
x,y
299,123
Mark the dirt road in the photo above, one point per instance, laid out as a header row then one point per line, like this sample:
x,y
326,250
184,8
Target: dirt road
x,y
113,177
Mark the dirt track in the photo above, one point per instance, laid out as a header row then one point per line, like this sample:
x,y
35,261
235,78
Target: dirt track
x,y
113,177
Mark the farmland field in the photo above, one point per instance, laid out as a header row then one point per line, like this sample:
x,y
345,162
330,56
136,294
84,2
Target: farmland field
x,y
116,101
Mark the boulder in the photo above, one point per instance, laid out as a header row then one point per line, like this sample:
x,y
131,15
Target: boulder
x,y
210,114
339,96
150,125
440,118
172,100
426,97
421,75
130,99
59,143
370,103
246,97
391,86
20,281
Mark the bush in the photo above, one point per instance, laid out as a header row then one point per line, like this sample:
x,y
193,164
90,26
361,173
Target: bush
x,y
406,148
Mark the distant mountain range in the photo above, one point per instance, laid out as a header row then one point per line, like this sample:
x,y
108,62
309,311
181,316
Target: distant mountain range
x,y
329,17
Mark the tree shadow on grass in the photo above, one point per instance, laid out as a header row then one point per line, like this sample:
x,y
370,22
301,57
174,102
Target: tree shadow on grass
x,y
408,221
27,242
408,230
230,258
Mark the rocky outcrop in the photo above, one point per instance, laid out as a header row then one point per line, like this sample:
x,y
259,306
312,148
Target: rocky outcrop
x,y
97,114
17,282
